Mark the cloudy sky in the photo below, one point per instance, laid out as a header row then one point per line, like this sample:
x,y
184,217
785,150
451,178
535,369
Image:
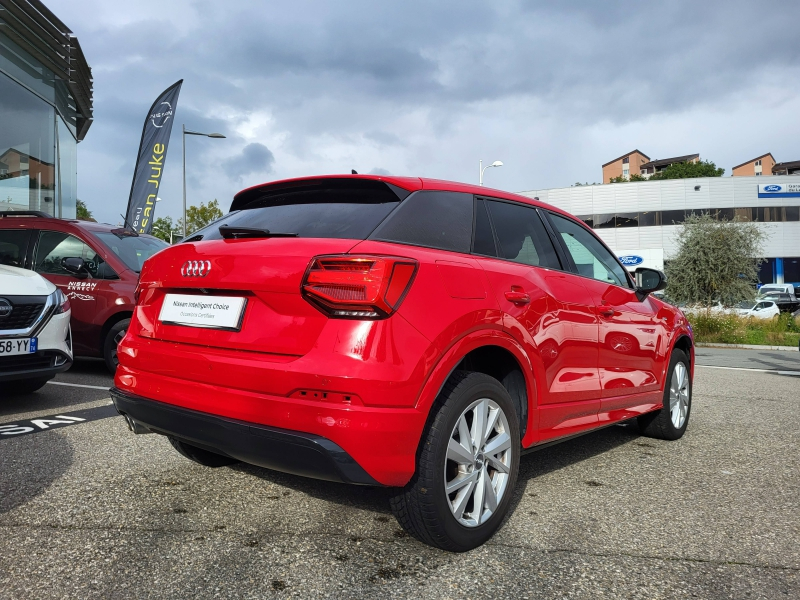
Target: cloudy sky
x,y
553,89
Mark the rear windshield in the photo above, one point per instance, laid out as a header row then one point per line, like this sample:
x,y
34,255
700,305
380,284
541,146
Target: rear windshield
x,y
313,212
131,249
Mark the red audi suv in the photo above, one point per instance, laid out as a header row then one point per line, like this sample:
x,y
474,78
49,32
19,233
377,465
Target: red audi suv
x,y
401,332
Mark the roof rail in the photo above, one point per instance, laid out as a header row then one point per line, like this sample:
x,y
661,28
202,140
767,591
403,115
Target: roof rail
x,y
25,213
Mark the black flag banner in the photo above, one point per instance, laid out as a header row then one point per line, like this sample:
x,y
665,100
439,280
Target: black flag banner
x,y
150,162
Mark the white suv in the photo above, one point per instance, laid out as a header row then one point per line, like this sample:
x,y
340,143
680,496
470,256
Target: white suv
x,y
35,338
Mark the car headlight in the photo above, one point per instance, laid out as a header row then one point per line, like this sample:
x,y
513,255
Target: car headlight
x,y
61,301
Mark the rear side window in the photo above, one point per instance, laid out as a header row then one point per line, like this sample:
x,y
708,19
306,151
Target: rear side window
x,y
432,219
13,246
521,235
337,209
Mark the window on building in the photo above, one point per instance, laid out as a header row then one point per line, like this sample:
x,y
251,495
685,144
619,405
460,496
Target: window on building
x,y
758,173
758,163
625,161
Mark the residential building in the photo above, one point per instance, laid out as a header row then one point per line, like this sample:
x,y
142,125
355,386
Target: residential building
x,y
761,165
647,170
787,168
45,109
639,220
624,165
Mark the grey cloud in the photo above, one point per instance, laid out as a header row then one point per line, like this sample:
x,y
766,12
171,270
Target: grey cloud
x,y
254,158
425,79
379,171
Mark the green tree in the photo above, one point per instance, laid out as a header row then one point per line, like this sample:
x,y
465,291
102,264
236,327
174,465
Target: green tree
x,y
163,227
717,261
687,170
83,212
198,217
632,177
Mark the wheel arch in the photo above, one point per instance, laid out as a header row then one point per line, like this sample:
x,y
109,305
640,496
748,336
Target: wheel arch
x,y
493,353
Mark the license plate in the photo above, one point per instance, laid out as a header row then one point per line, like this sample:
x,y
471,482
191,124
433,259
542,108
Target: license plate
x,y
211,312
15,347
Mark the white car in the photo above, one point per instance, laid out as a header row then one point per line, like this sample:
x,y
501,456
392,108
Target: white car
x,y
35,338
763,309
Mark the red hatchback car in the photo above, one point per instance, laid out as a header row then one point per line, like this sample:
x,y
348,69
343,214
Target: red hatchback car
x,y
401,332
95,265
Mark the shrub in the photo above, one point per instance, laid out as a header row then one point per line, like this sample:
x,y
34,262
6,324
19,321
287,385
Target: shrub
x,y
732,329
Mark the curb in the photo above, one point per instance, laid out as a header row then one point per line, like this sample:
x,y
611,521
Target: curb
x,y
746,346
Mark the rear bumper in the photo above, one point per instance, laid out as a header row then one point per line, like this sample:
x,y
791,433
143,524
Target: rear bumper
x,y
279,449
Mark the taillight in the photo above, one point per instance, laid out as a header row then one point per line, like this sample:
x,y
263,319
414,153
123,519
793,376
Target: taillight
x,y
358,287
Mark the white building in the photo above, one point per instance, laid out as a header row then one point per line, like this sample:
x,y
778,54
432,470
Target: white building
x,y
637,219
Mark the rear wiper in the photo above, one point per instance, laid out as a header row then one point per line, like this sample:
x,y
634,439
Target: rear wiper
x,y
236,233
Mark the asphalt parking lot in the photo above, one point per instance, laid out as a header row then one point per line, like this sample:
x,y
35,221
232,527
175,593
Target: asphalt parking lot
x,y
88,510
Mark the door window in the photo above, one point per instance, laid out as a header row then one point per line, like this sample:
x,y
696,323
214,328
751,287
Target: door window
x,y
13,246
521,235
591,258
54,246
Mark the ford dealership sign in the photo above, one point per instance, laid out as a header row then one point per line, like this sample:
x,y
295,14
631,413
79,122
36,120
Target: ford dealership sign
x,y
631,260
779,190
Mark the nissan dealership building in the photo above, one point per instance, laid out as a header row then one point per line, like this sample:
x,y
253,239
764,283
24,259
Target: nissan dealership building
x,y
639,220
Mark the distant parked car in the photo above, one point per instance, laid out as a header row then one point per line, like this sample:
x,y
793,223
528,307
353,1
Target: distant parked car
x,y
35,341
772,289
96,265
763,309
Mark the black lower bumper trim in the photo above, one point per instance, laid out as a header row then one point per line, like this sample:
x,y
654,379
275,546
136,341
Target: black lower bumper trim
x,y
284,450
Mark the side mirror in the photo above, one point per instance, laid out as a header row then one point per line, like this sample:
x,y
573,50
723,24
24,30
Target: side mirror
x,y
74,265
649,281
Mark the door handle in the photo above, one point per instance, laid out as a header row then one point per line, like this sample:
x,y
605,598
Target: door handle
x,y
607,312
517,296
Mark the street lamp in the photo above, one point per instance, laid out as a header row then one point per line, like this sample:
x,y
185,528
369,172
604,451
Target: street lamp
x,y
183,139
496,163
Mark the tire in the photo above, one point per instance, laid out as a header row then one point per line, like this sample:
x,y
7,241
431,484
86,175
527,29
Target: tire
x,y
200,456
669,423
422,507
19,387
113,338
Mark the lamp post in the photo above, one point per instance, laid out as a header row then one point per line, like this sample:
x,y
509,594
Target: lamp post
x,y
496,163
183,139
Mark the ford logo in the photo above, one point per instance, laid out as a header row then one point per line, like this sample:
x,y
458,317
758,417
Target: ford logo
x,y
631,261
772,188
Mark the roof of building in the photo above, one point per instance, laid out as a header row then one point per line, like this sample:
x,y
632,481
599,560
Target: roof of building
x,y
627,154
795,164
32,26
747,162
665,162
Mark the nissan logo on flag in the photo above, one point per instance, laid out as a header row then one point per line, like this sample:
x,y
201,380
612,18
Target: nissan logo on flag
x,y
196,268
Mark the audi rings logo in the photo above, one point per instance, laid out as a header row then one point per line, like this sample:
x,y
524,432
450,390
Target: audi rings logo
x,y
196,268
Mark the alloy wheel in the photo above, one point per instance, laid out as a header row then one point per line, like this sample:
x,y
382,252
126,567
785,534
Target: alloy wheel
x,y
679,395
478,464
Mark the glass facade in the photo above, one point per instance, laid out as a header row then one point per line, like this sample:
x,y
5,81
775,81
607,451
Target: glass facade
x,y
38,147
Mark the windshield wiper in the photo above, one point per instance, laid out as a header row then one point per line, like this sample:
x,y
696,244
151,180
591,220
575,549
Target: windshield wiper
x,y
236,233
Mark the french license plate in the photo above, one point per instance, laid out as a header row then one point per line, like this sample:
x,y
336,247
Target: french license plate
x,y
15,347
211,312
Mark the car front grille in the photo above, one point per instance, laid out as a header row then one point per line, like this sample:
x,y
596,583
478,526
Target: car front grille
x,y
24,312
27,362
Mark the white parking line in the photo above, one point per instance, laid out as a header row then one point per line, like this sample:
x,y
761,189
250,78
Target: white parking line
x,y
80,385
795,373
